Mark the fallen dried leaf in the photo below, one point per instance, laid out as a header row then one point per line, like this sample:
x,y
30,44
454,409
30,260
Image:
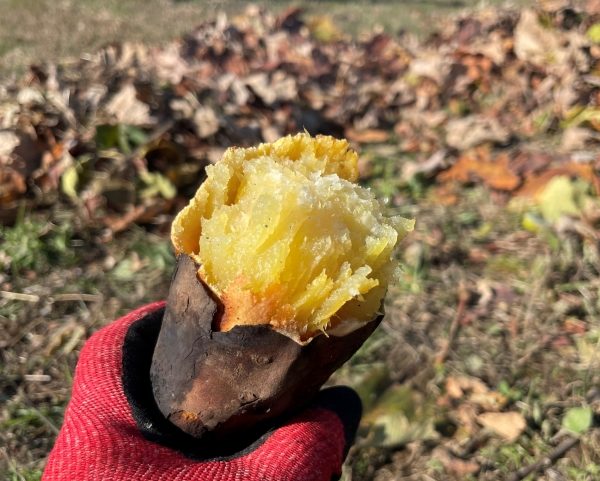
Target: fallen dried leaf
x,y
453,388
535,43
367,136
485,79
474,130
576,138
476,165
489,401
460,467
534,184
508,425
323,29
8,141
127,109
206,122
558,198
575,326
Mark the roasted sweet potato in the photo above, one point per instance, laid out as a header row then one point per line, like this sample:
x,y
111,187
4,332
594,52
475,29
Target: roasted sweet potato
x,y
283,265
222,382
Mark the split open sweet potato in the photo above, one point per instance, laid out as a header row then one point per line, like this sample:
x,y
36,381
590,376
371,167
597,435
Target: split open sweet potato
x,y
283,264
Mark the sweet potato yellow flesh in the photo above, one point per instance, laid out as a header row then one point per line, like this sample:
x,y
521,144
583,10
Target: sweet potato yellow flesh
x,y
285,237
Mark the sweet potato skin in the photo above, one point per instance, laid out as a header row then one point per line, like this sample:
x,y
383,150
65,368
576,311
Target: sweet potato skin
x,y
206,381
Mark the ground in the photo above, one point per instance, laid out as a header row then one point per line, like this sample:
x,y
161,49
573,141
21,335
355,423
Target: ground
x,y
36,30
485,132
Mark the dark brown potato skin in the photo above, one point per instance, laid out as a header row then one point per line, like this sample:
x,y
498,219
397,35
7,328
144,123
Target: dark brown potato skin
x,y
227,382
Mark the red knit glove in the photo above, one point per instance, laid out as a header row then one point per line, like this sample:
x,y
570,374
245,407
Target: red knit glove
x,y
113,430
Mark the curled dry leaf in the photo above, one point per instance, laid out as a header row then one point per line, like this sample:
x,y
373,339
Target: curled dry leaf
x,y
127,109
490,78
206,122
8,141
472,166
508,425
458,386
367,136
535,184
535,43
474,130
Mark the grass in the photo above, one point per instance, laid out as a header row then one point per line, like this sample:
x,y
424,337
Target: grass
x,y
529,330
71,283
33,31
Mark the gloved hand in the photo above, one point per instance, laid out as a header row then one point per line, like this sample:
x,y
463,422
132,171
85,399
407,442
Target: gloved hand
x,y
113,430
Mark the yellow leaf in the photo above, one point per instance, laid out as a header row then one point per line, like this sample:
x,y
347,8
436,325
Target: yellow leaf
x,y
557,199
68,182
593,33
323,29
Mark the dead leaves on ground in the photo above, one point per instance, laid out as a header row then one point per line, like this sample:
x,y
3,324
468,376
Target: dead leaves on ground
x,y
508,425
490,91
479,166
475,404
509,100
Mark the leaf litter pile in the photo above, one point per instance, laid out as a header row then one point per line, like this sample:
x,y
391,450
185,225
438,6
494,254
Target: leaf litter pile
x,y
487,132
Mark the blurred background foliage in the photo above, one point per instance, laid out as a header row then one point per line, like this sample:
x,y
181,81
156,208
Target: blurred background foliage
x,y
480,120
